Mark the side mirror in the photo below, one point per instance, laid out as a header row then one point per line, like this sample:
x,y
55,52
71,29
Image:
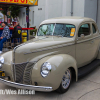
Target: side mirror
x,y
82,36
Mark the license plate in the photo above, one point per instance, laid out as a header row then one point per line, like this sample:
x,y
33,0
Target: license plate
x,y
2,73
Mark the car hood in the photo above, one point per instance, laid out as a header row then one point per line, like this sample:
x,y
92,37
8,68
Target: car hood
x,y
39,44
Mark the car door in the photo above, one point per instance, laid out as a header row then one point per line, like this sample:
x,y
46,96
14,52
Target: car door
x,y
96,40
84,45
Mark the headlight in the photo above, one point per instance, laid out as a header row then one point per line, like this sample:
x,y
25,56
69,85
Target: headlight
x,y
45,69
0,66
1,61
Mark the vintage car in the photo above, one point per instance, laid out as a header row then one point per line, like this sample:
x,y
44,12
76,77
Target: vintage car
x,y
63,48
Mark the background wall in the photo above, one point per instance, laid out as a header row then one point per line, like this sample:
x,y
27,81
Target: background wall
x,y
78,7
37,13
90,9
46,9
57,8
98,15
22,17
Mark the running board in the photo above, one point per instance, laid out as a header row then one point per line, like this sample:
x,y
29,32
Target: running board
x,y
88,68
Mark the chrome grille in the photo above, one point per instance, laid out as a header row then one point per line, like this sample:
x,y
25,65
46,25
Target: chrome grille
x,y
27,73
18,71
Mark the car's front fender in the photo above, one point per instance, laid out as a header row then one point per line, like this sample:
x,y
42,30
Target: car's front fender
x,y
7,64
59,65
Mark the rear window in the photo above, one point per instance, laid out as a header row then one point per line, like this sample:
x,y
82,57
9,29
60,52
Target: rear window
x,y
93,28
84,29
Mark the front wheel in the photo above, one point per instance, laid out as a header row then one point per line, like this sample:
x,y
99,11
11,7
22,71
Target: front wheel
x,y
66,81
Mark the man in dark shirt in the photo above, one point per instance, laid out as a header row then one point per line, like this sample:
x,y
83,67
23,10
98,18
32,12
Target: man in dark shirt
x,y
16,34
5,35
17,31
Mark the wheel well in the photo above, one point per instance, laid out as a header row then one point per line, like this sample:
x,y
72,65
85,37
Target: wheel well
x,y
73,73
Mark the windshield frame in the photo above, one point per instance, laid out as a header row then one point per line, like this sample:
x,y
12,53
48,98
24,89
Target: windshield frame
x,y
54,28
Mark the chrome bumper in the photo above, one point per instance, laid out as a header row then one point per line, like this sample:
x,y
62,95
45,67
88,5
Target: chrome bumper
x,y
24,86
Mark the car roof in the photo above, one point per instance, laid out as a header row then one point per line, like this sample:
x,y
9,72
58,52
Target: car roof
x,y
69,19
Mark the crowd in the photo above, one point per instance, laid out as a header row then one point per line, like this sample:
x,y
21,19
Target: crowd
x,y
6,33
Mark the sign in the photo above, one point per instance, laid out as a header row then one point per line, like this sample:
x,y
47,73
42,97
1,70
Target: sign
x,y
72,32
22,2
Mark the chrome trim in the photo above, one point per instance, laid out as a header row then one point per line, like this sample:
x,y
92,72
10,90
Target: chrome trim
x,y
49,48
27,76
89,39
54,29
96,36
13,69
24,62
14,58
20,63
24,86
19,69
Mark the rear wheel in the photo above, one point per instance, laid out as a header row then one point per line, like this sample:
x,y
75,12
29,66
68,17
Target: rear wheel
x,y
66,81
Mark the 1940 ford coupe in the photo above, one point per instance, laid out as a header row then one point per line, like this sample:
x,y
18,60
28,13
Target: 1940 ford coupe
x,y
63,48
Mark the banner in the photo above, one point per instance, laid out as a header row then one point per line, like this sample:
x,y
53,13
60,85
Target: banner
x,y
22,2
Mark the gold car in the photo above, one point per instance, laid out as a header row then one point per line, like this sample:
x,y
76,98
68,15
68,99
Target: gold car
x,y
64,48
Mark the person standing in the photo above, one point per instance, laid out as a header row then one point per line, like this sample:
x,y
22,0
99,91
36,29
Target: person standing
x,y
5,35
17,31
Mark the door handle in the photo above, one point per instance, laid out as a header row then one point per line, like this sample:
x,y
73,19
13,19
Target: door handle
x,y
92,41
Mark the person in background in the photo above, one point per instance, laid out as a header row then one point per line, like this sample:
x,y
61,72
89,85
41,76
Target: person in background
x,y
5,35
11,26
17,31
0,24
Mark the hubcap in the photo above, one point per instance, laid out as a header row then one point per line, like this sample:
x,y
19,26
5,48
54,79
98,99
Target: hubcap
x,y
66,79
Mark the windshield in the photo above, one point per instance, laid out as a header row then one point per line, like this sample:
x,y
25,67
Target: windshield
x,y
64,30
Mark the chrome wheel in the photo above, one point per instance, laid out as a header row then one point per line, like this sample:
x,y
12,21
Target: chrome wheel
x,y
66,79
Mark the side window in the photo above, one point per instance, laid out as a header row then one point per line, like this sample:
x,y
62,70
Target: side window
x,y
84,29
93,28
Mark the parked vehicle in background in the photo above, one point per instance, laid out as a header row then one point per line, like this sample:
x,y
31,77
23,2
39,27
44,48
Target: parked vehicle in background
x,y
64,48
